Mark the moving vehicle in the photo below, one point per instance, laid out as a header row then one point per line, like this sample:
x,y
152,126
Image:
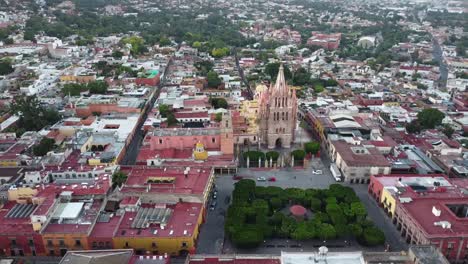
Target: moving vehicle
x,y
318,172
272,179
261,179
335,172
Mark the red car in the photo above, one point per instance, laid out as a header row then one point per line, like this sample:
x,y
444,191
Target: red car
x,y
272,179
237,177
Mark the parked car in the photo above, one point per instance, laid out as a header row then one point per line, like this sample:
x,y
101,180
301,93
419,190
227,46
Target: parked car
x,y
272,179
318,172
237,177
261,179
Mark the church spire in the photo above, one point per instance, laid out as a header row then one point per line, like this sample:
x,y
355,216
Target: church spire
x,y
280,84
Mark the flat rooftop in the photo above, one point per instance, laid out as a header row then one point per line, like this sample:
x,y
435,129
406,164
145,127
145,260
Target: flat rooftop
x,y
181,223
329,258
13,221
168,180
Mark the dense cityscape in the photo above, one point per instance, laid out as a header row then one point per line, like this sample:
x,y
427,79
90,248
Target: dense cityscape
x,y
234,132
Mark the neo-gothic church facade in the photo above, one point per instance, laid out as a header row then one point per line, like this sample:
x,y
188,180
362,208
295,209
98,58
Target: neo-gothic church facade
x,y
278,114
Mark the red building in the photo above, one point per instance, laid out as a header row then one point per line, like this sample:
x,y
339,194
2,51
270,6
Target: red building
x,y
150,79
427,209
17,237
326,41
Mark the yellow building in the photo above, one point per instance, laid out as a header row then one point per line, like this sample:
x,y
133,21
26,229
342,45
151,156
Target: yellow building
x,y
21,194
387,199
177,236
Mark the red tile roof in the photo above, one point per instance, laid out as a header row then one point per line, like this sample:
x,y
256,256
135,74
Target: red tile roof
x,y
196,181
373,158
182,223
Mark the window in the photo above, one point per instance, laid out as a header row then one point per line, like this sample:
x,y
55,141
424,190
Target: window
x,y
13,242
50,243
61,243
153,244
287,115
33,252
282,116
184,244
21,252
12,253
213,140
450,245
77,242
94,244
31,242
108,244
126,244
51,252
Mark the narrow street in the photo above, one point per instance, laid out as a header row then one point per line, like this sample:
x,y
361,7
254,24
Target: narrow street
x,y
381,220
438,56
134,146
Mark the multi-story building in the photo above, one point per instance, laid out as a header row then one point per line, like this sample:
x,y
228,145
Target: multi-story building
x,y
427,209
358,162
326,41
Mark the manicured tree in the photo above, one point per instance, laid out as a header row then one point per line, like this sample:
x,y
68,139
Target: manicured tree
x,y
276,203
326,231
274,155
247,238
298,154
372,236
312,147
303,232
358,210
315,204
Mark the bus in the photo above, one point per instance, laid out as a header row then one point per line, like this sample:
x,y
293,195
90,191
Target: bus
x,y
335,172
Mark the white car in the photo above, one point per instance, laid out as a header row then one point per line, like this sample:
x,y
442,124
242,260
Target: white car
x,y
261,179
317,172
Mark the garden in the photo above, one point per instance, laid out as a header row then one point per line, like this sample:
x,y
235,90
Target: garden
x,y
259,213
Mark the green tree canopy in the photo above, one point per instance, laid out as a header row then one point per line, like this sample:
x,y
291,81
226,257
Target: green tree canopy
x,y
44,146
429,118
219,103
298,154
312,147
97,87
448,131
5,67
119,178
272,69
164,110
33,116
213,79
372,236
414,127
